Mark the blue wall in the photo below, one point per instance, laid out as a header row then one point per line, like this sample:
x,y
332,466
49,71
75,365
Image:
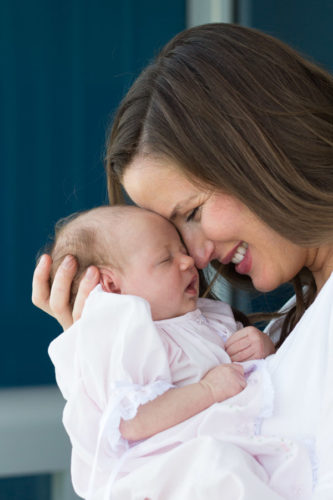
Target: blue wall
x,y
66,64
307,25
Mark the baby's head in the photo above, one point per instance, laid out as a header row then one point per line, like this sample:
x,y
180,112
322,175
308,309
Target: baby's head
x,y
137,252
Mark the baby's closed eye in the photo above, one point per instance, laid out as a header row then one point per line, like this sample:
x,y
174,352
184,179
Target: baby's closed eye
x,y
166,259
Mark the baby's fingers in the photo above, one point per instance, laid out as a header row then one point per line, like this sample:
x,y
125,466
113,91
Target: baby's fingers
x,y
242,383
236,337
238,346
87,284
239,368
40,284
244,355
239,374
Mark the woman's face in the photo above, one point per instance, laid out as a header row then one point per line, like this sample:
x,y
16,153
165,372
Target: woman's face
x,y
214,225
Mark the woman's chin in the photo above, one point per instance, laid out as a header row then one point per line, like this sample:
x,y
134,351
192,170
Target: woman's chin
x,y
265,285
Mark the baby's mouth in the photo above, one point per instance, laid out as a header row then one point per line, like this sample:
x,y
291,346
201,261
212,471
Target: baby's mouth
x,y
192,286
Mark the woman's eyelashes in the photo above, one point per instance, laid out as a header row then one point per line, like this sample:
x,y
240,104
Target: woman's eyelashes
x,y
192,214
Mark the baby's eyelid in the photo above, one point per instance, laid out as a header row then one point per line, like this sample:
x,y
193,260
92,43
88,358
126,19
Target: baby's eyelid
x,y
166,259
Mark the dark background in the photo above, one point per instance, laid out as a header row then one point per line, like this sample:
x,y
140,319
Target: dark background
x,y
66,65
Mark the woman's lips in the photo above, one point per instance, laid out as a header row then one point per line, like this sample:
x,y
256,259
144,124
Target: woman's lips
x,y
244,267
230,255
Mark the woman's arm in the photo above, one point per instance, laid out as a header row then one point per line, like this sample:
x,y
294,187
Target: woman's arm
x,y
179,404
56,301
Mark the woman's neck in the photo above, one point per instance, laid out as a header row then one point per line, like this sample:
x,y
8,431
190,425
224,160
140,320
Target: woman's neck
x,y
321,264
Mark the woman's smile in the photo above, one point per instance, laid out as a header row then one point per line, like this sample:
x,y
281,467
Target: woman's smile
x,y
242,259
237,254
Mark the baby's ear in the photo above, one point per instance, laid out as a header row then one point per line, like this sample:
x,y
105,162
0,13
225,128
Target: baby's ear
x,y
109,280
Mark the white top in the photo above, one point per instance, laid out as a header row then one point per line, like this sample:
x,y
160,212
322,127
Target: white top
x,y
115,358
302,375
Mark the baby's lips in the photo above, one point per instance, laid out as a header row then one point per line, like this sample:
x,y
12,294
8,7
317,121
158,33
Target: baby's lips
x,y
193,283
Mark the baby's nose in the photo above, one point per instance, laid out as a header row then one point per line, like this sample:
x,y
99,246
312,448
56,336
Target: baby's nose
x,y
186,262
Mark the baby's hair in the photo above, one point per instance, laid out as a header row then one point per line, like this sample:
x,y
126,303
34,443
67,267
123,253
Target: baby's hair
x,y
80,235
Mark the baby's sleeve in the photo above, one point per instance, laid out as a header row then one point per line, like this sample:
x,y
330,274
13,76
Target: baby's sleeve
x,y
107,364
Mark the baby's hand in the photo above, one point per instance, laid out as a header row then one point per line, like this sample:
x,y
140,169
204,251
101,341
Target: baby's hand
x,y
224,381
249,343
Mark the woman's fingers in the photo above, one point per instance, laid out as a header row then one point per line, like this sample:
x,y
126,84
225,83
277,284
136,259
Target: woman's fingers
x,y
87,284
60,306
41,285
56,301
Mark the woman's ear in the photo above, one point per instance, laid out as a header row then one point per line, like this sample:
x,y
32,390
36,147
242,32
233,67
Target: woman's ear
x,y
109,280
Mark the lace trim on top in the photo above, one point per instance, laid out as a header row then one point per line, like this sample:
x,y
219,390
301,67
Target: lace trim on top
x,y
124,402
123,405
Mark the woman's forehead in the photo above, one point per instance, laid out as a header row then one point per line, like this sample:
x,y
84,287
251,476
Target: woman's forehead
x,y
157,184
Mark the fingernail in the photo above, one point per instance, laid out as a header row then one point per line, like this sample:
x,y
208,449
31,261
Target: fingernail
x,y
90,274
68,262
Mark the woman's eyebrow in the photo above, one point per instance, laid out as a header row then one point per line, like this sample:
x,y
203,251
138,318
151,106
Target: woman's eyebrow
x,y
174,212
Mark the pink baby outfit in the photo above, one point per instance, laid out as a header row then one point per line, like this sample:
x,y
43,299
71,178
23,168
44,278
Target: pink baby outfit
x,y
116,358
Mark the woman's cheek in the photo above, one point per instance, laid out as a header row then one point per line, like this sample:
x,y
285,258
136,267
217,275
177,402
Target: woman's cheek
x,y
210,225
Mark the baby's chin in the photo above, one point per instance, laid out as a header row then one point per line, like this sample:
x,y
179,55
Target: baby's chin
x,y
190,306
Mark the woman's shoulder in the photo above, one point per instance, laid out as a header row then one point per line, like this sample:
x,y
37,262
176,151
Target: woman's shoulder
x,y
273,329
324,301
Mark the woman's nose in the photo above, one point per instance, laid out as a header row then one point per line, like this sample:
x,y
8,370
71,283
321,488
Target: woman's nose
x,y
202,253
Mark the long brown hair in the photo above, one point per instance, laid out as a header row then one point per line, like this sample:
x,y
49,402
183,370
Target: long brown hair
x,y
240,111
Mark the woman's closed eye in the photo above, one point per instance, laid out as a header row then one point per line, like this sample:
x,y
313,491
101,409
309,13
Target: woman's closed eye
x,y
192,214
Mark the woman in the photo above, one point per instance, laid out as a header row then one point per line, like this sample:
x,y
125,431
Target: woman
x,y
229,134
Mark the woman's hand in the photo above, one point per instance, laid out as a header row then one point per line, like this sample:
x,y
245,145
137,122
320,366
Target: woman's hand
x,y
224,381
249,343
56,301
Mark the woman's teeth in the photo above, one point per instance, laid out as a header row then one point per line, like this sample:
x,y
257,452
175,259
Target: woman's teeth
x,y
240,252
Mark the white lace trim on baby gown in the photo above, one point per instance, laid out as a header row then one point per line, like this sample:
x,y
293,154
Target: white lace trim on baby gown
x,y
123,405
